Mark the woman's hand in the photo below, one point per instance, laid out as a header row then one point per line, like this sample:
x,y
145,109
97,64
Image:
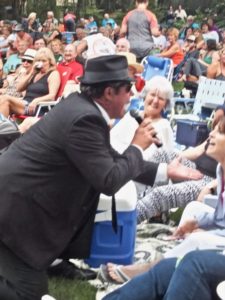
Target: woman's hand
x,y
32,106
187,227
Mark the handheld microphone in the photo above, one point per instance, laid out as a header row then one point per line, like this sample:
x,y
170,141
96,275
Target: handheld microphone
x,y
136,115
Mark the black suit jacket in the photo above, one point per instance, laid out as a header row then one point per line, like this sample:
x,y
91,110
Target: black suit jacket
x,y
51,178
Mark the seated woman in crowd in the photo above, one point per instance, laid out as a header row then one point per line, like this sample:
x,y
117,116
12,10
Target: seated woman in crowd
x,y
41,84
196,216
50,32
194,68
160,199
57,48
11,81
158,93
217,70
173,51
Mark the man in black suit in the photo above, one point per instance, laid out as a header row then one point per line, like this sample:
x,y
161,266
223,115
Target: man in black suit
x,y
52,176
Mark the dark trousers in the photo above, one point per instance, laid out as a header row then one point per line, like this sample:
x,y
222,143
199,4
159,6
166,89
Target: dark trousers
x,y
18,281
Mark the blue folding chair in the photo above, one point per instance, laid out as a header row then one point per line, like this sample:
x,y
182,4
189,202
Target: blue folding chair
x,y
154,65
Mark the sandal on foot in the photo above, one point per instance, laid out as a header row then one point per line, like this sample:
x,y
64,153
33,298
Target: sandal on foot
x,y
104,276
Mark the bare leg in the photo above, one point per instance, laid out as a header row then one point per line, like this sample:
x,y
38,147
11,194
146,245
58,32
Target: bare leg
x,y
130,270
27,123
10,105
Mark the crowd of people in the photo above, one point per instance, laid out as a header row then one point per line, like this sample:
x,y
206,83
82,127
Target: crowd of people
x,y
52,175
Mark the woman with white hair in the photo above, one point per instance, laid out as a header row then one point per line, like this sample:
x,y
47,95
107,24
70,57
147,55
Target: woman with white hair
x,y
158,93
31,24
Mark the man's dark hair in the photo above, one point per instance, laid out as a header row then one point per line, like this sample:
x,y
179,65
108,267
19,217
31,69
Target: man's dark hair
x,y
39,36
211,44
95,91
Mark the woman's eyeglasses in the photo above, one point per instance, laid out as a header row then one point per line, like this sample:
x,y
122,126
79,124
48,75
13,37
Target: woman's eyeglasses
x,y
27,60
190,41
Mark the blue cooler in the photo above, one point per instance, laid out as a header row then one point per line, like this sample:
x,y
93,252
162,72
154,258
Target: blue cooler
x,y
107,246
191,133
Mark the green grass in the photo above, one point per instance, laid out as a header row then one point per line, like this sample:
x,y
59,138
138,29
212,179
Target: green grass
x,y
178,86
64,289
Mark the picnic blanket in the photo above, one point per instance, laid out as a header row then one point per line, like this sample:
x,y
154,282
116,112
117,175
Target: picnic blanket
x,y
151,244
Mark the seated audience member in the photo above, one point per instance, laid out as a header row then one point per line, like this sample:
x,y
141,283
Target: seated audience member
x,y
195,277
135,69
39,42
92,24
11,81
108,21
173,51
15,59
156,200
190,50
157,93
189,47
160,41
7,39
196,215
96,45
70,62
51,19
80,34
219,113
41,84
122,45
31,25
21,35
180,13
217,70
212,25
209,34
198,67
50,32
106,31
57,48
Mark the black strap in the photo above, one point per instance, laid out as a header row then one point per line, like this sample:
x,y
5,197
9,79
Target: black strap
x,y
114,215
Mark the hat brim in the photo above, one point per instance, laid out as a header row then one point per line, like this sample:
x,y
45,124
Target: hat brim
x,y
139,68
28,57
83,80
93,77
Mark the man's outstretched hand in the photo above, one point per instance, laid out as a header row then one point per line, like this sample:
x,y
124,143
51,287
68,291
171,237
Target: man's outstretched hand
x,y
177,172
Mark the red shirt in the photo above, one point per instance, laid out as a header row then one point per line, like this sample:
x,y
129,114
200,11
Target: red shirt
x,y
77,70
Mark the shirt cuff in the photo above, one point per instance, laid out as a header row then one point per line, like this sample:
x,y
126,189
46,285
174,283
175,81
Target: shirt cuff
x,y
161,175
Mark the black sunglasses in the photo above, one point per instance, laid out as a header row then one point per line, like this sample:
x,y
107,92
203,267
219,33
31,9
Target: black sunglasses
x,y
190,41
118,85
27,60
128,87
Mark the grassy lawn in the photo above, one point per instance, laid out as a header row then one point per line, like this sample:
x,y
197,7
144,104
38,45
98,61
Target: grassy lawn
x,y
64,289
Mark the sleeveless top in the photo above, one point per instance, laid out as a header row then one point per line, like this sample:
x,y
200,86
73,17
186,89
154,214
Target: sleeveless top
x,y
177,57
207,59
38,88
139,24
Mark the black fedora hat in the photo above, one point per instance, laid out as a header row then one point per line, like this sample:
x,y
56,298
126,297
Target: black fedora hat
x,y
106,68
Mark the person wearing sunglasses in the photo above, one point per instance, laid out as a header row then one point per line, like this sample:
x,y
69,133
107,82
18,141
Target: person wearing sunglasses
x,y
40,84
12,79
